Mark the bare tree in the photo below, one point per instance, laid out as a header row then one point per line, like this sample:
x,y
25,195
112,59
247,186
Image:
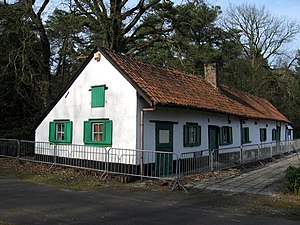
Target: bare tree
x,y
261,34
116,20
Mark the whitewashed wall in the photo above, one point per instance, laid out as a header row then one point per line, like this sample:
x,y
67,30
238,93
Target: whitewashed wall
x,y
120,105
205,119
181,117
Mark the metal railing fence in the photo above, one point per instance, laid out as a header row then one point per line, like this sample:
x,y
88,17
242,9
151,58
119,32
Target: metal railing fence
x,y
129,162
217,159
142,163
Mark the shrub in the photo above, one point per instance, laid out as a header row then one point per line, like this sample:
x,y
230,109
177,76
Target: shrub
x,y
292,180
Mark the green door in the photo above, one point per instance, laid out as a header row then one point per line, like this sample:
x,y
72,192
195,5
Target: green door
x,y
164,145
213,144
213,137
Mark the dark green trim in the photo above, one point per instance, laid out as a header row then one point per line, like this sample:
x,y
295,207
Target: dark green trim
x,y
228,140
263,134
274,132
159,121
186,137
245,135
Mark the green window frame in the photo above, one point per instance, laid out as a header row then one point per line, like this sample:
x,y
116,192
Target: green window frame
x,y
245,135
191,135
226,135
274,134
98,96
60,131
263,134
98,133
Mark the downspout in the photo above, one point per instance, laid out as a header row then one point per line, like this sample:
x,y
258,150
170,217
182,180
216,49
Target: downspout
x,y
241,148
142,134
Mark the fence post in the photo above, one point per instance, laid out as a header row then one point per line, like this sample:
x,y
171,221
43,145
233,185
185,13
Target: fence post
x,y
55,154
211,159
107,160
271,151
18,149
241,155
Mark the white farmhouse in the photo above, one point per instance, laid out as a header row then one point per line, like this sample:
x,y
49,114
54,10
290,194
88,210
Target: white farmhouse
x,y
119,102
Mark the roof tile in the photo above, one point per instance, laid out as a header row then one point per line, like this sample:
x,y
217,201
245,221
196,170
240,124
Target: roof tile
x,y
166,87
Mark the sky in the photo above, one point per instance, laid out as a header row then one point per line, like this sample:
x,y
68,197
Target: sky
x,y
280,8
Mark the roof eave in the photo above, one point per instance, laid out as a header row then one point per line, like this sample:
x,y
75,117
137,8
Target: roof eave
x,y
124,74
65,89
173,105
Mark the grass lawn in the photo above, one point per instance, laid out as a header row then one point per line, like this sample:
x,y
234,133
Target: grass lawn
x,y
53,176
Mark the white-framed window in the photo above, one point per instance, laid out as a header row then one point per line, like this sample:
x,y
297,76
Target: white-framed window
x,y
59,131
97,132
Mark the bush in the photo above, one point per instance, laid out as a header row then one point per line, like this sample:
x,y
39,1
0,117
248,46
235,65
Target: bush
x,y
292,180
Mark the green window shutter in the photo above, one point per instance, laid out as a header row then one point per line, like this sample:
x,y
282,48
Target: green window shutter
x,y
51,132
185,135
265,134
243,135
230,139
247,135
87,132
98,96
221,140
273,134
198,136
68,132
107,133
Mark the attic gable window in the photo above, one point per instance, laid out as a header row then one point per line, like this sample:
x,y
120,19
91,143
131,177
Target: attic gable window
x,y
98,96
226,135
98,133
60,131
191,135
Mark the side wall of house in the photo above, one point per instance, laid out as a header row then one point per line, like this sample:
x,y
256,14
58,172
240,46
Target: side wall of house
x,y
181,117
119,107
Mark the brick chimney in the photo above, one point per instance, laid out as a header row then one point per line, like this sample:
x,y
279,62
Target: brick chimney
x,y
211,74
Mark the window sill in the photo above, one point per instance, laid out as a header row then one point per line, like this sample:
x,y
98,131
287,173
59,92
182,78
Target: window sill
x,y
223,144
61,142
190,146
98,144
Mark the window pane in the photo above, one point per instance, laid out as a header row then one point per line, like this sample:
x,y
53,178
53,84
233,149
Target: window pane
x,y
164,136
97,132
59,131
192,134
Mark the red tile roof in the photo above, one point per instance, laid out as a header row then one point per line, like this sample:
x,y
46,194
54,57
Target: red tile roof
x,y
166,87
